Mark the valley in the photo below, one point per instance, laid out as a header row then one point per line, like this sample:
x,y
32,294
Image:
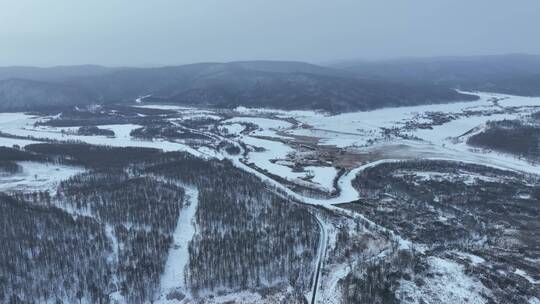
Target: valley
x,y
264,206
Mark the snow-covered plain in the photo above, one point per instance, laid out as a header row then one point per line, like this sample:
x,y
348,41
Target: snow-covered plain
x,y
359,127
363,129
21,124
349,130
267,127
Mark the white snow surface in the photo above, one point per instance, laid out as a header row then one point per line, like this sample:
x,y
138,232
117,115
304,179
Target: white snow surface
x,y
534,300
234,128
524,274
475,260
37,176
267,127
450,284
272,150
323,176
21,124
174,277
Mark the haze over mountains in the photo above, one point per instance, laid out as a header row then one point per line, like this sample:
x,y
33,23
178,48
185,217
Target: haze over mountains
x,y
347,86
517,74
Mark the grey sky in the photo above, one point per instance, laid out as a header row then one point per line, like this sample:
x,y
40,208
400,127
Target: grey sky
x,y
156,32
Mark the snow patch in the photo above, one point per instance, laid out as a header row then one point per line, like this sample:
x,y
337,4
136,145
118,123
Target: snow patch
x,y
36,176
174,277
449,284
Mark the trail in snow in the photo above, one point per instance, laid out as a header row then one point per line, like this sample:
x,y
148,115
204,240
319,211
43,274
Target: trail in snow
x,y
174,277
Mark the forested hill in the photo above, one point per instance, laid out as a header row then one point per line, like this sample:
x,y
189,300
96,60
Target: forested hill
x,y
270,84
516,74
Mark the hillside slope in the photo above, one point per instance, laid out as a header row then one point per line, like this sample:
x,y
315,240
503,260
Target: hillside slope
x,y
517,74
282,85
21,94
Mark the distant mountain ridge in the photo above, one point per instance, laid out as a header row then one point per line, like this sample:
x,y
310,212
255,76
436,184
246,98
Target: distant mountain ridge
x,y
270,84
27,95
57,73
517,74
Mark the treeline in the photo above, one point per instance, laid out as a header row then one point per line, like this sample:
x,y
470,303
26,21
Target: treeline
x,y
103,115
93,156
16,154
10,156
92,130
166,131
9,167
510,136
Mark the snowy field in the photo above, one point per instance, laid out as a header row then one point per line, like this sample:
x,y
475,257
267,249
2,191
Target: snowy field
x,y
271,153
36,176
449,284
363,129
272,148
21,124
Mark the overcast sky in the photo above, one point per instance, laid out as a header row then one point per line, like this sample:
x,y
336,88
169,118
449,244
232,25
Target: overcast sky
x,y
157,32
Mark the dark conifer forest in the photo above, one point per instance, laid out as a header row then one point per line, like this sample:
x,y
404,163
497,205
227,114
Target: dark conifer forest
x,y
112,225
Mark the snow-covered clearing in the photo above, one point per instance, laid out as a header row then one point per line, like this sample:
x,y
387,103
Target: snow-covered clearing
x,y
247,297
331,292
174,277
323,176
534,300
233,128
450,284
163,107
475,260
468,178
267,126
359,127
186,112
526,276
37,176
271,150
21,124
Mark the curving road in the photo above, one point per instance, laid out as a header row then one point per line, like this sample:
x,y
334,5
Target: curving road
x,y
321,255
